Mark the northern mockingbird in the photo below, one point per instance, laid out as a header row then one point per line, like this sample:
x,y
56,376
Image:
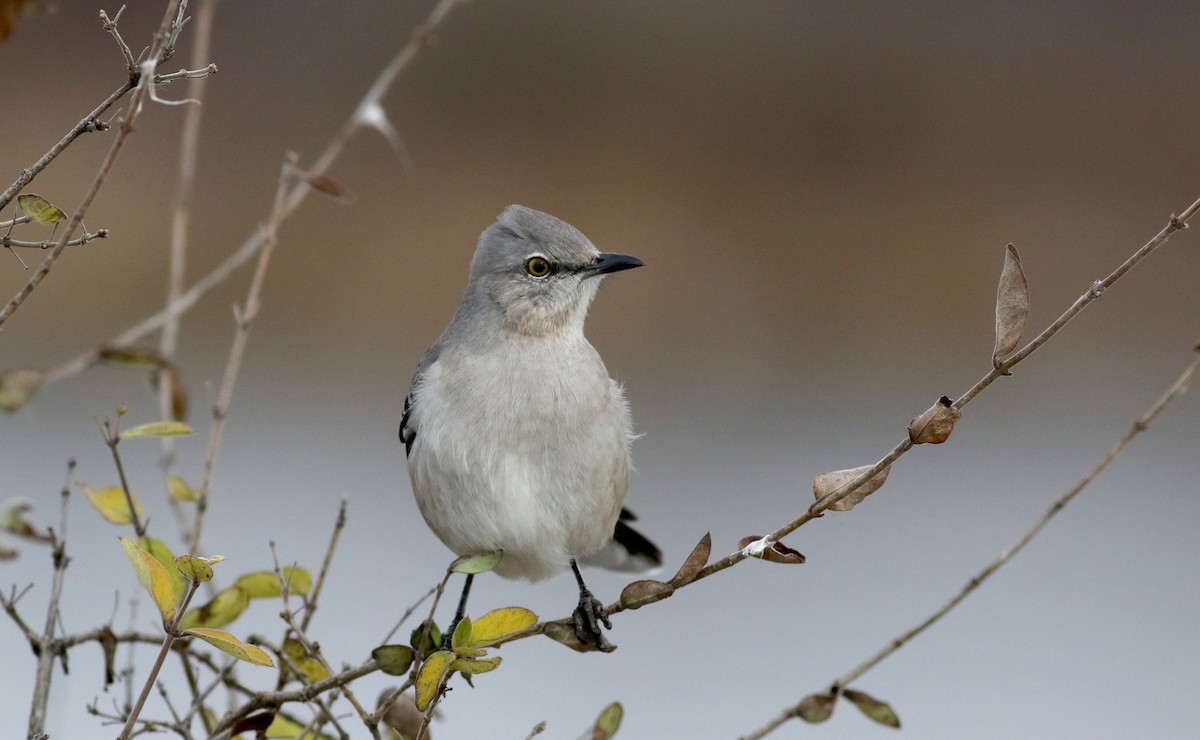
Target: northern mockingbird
x,y
517,438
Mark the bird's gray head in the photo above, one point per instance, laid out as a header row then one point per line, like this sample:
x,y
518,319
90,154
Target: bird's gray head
x,y
538,271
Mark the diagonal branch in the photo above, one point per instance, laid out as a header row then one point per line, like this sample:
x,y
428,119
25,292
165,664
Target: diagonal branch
x,y
362,116
1140,425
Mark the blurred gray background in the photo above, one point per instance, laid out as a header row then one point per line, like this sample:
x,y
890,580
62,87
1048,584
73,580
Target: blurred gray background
x,y
821,192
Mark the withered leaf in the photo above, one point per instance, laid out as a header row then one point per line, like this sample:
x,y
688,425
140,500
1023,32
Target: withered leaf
x,y
640,593
133,356
935,424
815,708
827,483
256,723
327,185
1012,305
776,553
880,711
695,561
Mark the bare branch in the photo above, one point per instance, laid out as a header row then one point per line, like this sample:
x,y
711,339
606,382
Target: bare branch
x,y
297,195
1140,425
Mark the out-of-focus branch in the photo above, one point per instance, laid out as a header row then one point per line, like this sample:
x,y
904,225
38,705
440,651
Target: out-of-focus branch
x,y
47,648
1140,425
144,87
243,318
189,147
366,114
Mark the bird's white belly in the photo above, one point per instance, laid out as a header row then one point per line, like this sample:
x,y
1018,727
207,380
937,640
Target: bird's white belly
x,y
549,489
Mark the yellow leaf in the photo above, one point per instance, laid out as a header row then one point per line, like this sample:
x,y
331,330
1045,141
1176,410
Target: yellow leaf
x,y
17,385
223,609
232,645
500,623
112,504
608,722
163,554
40,209
194,568
179,489
473,666
153,577
429,678
307,664
265,583
157,429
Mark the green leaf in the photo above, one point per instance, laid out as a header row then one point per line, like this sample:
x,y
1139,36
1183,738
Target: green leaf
x,y
180,490
880,711
157,429
265,584
429,678
163,554
112,504
12,519
40,209
153,577
472,564
500,623
425,643
608,722
471,666
462,634
394,660
194,568
230,644
223,609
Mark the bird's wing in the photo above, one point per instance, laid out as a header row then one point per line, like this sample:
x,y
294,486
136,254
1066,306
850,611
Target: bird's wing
x,y
408,430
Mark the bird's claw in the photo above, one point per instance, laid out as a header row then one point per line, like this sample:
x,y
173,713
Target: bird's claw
x,y
587,617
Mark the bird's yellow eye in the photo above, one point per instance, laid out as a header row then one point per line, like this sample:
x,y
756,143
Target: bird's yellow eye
x,y
538,267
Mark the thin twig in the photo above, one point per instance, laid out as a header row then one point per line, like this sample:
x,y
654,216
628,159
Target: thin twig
x,y
189,147
172,632
312,648
408,613
1140,425
367,107
266,699
143,88
311,606
77,241
1175,223
90,122
47,648
243,318
112,438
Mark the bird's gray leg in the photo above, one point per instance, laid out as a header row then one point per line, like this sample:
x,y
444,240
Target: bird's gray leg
x,y
588,616
458,615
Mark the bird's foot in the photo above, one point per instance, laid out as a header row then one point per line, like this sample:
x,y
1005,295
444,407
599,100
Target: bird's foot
x,y
588,617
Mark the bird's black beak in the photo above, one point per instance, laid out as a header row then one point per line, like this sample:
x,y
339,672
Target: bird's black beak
x,y
607,262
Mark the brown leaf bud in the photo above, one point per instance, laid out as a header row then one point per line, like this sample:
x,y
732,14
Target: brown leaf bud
x,y
934,425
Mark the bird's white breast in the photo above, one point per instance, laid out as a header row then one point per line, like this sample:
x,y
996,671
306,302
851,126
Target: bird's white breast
x,y
516,454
